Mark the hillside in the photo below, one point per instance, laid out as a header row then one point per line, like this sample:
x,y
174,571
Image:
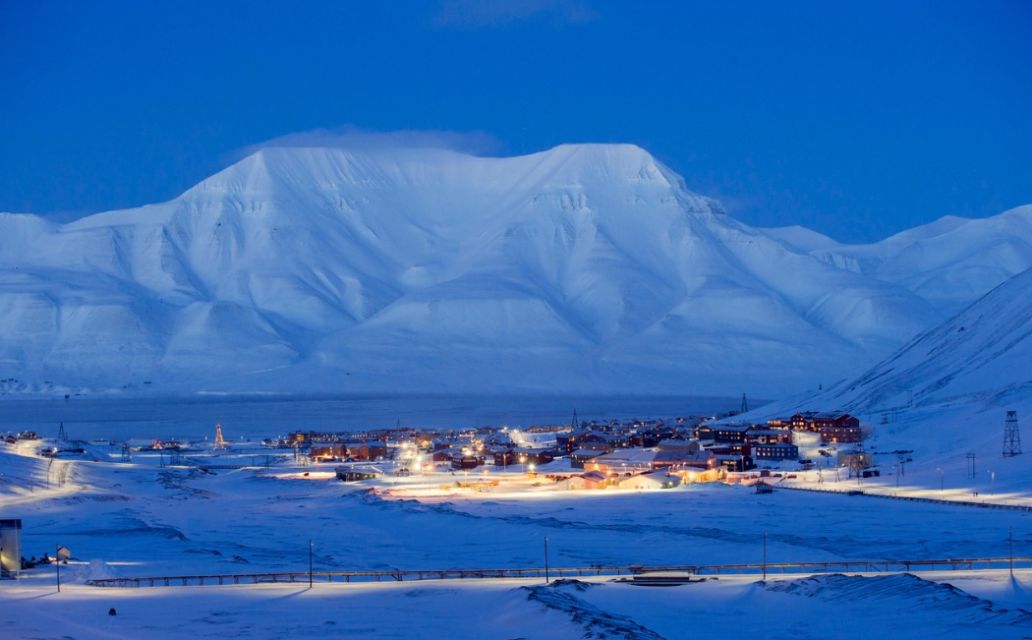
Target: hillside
x,y
947,391
949,262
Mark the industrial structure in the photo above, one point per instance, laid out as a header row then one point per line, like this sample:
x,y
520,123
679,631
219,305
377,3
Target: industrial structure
x,y
1011,435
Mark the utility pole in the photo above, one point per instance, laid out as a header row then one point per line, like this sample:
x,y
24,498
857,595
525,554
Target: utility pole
x,y
1010,552
546,559
764,556
309,564
57,563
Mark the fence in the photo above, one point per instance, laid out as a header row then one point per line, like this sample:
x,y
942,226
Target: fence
x,y
865,566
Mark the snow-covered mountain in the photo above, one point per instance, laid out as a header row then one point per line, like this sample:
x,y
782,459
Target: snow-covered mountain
x,y
581,268
949,262
982,353
947,390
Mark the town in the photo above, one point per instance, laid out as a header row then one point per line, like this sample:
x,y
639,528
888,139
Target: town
x,y
593,454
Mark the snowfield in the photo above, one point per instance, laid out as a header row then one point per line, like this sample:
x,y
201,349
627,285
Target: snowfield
x,y
139,519
968,606
584,268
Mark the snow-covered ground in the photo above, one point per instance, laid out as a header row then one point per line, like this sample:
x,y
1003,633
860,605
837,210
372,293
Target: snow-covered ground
x,y
141,519
983,605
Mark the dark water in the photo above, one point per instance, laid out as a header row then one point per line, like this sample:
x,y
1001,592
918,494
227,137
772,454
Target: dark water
x,y
251,416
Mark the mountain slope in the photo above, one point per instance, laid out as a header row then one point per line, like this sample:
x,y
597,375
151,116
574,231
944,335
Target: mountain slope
x,y
949,262
982,352
947,391
585,267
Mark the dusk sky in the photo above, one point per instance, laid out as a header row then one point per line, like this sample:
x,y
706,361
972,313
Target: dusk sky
x,y
856,119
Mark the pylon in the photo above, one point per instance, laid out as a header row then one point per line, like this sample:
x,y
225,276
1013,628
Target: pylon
x,y
745,405
61,435
1011,435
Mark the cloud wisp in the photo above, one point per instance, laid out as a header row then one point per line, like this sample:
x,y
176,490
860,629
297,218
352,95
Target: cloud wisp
x,y
351,137
477,14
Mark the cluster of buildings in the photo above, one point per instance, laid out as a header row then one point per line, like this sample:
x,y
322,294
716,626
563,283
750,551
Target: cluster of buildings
x,y
597,454
12,438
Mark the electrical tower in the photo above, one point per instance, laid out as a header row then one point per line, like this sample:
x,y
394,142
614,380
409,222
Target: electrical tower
x,y
745,404
574,423
61,435
971,466
127,455
1011,435
219,442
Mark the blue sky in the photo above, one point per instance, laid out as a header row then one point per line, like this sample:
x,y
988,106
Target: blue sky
x,y
855,119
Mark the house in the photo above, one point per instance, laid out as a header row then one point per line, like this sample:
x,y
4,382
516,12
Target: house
x,y
841,428
351,473
322,452
466,462
648,480
855,460
713,474
623,461
582,456
534,456
833,427
570,442
728,433
779,451
759,435
735,462
505,457
366,451
665,458
442,455
670,444
589,480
